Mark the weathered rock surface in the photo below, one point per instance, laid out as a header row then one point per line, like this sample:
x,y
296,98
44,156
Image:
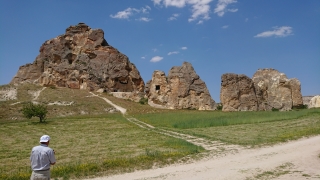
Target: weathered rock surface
x,y
237,93
314,102
275,90
269,89
182,89
8,93
81,59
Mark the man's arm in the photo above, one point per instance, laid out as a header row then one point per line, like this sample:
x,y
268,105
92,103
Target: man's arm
x,y
52,158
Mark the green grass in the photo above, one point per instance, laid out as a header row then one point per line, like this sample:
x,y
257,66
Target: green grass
x,y
88,146
203,119
242,128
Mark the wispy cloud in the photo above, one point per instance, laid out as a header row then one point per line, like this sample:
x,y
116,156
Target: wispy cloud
x,y
154,49
174,52
200,8
173,17
221,7
225,27
127,13
184,48
156,59
282,31
145,19
156,2
143,57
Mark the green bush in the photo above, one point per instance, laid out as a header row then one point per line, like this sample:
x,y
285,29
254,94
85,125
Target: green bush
x,y
30,110
143,101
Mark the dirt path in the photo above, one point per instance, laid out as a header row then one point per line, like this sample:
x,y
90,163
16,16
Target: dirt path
x,y
295,160
121,109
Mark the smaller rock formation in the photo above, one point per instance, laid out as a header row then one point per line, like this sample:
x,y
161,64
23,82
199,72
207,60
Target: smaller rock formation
x,y
275,91
182,89
237,93
269,89
314,102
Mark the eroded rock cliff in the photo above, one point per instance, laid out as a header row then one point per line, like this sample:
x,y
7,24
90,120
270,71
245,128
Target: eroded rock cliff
x,y
268,89
82,59
181,89
237,93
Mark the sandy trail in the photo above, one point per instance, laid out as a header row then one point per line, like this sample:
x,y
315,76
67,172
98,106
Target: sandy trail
x,y
295,160
299,158
121,109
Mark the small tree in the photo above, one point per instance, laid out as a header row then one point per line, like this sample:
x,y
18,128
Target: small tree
x,y
30,110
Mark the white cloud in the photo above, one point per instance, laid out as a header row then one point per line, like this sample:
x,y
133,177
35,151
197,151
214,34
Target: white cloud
x,y
173,17
145,19
125,14
221,7
200,8
156,2
156,59
174,52
278,32
225,27
184,48
200,22
154,49
143,57
232,10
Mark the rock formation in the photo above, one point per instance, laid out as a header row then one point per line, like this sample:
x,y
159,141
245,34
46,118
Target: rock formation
x,y
275,90
314,102
182,89
81,59
269,89
237,93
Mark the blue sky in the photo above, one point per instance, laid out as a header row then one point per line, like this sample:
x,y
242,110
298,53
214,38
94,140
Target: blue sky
x,y
215,36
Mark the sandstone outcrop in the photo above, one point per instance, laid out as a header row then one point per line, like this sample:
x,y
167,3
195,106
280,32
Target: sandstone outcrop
x,y
237,93
81,59
269,89
275,91
181,89
314,102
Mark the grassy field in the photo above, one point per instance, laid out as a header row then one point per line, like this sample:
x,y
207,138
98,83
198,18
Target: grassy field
x,y
242,128
87,146
90,141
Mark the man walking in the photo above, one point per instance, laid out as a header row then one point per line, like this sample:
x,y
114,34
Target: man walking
x,y
41,158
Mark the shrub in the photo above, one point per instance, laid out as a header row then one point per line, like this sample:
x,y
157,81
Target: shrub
x,y
30,110
219,107
143,101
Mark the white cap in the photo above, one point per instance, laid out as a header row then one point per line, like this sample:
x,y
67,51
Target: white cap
x,y
45,138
